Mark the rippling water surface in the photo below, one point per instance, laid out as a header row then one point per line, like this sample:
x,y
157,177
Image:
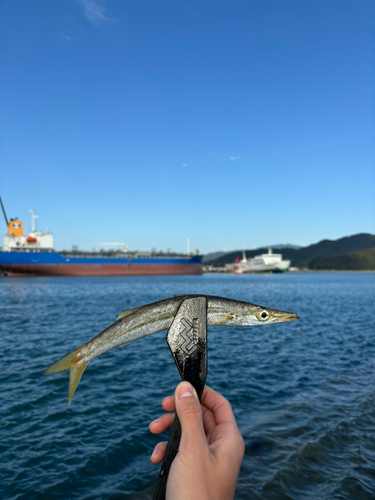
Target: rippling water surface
x,y
303,393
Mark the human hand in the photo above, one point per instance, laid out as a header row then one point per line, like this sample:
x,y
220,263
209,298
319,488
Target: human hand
x,y
211,448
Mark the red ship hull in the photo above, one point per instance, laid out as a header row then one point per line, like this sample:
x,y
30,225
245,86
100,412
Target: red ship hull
x,y
100,269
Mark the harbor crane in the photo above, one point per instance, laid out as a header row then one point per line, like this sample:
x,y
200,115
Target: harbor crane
x,y
121,245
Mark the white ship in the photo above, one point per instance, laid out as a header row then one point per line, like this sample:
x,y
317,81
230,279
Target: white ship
x,y
266,262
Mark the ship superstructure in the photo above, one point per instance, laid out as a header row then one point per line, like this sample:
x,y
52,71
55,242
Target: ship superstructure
x,y
15,239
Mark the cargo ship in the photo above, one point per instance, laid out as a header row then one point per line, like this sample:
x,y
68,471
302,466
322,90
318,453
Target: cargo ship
x,y
33,255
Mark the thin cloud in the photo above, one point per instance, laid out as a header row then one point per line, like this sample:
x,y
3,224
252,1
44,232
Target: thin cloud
x,y
66,38
94,12
235,157
184,165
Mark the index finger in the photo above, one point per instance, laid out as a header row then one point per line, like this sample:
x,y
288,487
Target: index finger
x,y
220,407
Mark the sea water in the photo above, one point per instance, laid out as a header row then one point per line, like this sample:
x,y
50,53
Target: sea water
x,y
303,393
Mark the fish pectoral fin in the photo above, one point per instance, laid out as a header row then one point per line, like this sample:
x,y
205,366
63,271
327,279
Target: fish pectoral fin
x,y
127,343
221,320
127,313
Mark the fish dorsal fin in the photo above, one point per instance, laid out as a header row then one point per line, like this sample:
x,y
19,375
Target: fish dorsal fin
x,y
127,313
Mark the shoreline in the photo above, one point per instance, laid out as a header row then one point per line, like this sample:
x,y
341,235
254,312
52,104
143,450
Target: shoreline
x,y
304,271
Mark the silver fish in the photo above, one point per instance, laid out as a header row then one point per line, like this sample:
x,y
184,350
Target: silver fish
x,y
136,323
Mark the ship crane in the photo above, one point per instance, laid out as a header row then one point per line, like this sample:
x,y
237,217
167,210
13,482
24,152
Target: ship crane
x,y
3,209
122,245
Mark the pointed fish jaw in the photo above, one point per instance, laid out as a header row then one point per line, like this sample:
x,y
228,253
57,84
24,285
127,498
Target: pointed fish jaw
x,y
282,318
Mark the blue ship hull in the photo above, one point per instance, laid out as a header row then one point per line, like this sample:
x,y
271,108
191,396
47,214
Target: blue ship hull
x,y
58,264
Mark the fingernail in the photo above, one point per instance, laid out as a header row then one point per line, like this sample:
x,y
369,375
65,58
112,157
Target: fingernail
x,y
154,453
185,390
156,420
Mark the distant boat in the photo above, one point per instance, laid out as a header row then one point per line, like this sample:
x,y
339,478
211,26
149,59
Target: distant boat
x,y
34,255
266,262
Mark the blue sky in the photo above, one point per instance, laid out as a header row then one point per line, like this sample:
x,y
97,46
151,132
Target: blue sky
x,y
232,123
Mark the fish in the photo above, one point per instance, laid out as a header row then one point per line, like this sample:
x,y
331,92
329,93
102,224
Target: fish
x,y
137,323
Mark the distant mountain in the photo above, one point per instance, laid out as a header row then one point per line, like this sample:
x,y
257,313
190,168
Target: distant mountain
x,y
363,260
281,246
211,256
301,257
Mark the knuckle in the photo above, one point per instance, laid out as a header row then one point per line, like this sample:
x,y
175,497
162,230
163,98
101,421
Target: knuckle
x,y
228,405
192,409
240,446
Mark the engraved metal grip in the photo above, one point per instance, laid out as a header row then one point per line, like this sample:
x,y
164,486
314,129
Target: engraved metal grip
x,y
187,340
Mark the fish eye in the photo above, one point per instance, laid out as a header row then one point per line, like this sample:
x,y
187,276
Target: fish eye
x,y
264,315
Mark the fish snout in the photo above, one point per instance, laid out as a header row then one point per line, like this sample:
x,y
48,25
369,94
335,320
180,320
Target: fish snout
x,y
291,317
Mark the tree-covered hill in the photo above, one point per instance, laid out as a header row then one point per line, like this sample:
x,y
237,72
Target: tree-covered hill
x,y
301,257
363,260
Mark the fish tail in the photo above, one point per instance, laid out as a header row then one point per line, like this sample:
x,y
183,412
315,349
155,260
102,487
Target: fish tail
x,y
76,366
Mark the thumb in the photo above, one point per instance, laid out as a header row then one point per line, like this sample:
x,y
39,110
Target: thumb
x,y
189,412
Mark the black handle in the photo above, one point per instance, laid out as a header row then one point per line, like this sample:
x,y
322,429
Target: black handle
x,y
170,453
187,341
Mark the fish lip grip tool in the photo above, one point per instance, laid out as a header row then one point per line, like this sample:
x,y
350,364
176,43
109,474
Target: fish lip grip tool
x,y
187,340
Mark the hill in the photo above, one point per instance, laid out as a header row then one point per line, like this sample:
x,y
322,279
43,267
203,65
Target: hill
x,y
208,257
363,260
301,257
